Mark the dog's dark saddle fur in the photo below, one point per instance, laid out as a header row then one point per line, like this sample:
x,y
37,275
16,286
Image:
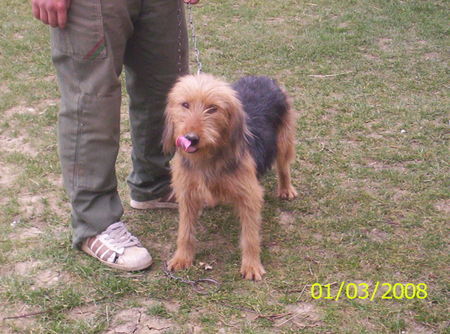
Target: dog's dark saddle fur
x,y
265,105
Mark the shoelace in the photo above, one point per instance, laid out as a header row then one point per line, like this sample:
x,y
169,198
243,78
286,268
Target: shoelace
x,y
119,237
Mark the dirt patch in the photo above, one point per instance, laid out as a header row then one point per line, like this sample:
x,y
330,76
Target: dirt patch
x,y
302,315
275,20
29,233
34,206
26,268
377,235
401,195
380,166
136,321
304,164
50,277
85,313
375,136
197,329
163,250
330,114
31,110
415,328
385,44
317,236
214,241
18,144
51,78
349,144
42,278
357,185
431,56
287,220
4,89
171,306
371,57
20,325
31,205
8,175
343,25
443,206
19,110
56,180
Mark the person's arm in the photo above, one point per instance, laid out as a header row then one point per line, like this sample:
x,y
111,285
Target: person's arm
x,y
52,12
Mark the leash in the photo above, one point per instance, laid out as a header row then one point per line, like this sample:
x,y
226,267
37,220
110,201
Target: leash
x,y
199,285
179,37
194,39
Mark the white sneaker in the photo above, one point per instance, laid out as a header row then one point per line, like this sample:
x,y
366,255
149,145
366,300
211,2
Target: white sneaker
x,y
118,248
165,202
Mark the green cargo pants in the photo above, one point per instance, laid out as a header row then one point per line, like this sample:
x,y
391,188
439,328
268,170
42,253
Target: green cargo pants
x,y
148,38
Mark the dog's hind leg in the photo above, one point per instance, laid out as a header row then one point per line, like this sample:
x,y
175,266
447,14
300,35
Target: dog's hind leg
x,y
286,155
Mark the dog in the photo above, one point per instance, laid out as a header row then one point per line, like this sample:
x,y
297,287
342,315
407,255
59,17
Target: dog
x,y
225,138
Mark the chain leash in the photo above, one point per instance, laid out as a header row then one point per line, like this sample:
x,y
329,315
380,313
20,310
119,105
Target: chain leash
x,y
180,37
202,286
194,40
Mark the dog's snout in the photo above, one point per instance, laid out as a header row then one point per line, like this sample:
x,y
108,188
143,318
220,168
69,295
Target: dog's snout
x,y
193,138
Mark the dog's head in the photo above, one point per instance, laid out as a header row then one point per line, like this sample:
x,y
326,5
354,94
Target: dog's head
x,y
203,116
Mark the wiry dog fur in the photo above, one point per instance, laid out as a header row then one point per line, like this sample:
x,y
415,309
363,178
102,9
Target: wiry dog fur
x,y
242,129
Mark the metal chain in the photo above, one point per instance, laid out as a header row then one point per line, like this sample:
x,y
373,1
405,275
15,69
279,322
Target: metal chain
x,y
194,40
199,285
180,39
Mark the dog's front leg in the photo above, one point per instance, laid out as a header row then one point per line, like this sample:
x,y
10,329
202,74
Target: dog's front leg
x,y
249,210
189,209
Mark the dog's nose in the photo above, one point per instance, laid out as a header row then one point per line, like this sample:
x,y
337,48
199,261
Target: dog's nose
x,y
193,138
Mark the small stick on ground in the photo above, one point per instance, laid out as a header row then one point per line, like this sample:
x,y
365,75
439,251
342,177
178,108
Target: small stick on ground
x,y
26,315
321,76
33,314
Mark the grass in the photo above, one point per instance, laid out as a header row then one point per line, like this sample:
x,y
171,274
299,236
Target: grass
x,y
369,80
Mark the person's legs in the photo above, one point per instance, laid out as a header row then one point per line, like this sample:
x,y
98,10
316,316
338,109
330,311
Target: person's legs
x,y
88,57
156,56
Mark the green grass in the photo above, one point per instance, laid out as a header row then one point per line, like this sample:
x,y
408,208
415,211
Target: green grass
x,y
369,80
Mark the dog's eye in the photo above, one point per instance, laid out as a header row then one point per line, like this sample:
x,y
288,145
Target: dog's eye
x,y
211,109
185,105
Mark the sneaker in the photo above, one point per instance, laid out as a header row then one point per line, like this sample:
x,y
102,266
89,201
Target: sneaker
x,y
118,248
166,202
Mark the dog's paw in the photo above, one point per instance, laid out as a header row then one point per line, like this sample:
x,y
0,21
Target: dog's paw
x,y
252,271
288,193
179,263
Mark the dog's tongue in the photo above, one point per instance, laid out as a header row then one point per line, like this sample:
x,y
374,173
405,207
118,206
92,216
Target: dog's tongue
x,y
184,143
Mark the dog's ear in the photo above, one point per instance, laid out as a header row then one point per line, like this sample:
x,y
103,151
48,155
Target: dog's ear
x,y
168,143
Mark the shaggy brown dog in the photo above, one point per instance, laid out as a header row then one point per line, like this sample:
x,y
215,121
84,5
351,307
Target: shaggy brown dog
x,y
226,137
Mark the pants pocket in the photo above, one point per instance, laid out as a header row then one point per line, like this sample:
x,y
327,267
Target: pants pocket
x,y
97,142
83,38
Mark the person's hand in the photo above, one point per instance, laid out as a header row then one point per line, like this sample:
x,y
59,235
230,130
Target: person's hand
x,y
52,12
191,2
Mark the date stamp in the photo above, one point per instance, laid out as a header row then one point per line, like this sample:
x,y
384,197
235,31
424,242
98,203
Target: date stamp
x,y
365,291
